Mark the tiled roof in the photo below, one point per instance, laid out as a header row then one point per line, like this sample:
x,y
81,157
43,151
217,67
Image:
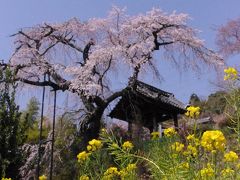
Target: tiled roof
x,y
150,100
158,94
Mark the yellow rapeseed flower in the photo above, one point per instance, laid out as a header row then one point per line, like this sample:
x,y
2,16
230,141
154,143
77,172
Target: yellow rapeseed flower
x,y
213,151
155,135
193,112
169,132
115,145
94,145
127,145
177,146
230,74
191,151
184,165
193,140
131,167
207,172
103,130
43,177
111,173
128,170
91,148
123,174
190,137
84,177
227,172
82,156
230,157
6,179
213,140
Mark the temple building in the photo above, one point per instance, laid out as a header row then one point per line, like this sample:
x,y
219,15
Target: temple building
x,y
147,106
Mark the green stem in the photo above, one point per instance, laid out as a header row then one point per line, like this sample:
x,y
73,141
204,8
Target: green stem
x,y
148,160
195,127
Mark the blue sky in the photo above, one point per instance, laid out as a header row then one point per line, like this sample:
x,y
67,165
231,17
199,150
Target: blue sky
x,y
206,16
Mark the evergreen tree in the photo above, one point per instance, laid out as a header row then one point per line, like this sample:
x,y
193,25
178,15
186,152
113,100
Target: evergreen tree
x,y
31,114
194,100
216,102
11,134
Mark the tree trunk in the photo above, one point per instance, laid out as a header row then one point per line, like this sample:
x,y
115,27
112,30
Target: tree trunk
x,y
137,128
92,126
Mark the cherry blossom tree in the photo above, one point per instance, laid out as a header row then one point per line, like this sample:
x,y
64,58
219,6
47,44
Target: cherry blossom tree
x,y
228,38
81,56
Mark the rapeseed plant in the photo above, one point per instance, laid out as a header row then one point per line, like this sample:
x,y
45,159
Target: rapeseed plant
x,y
43,177
84,177
177,147
193,112
230,157
83,156
207,171
213,140
111,173
127,145
228,172
230,74
94,145
169,132
155,135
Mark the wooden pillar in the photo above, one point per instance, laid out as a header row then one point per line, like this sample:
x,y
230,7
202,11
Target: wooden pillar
x,y
160,130
155,125
175,120
137,129
150,127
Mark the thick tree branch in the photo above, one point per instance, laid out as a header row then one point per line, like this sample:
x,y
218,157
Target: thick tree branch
x,y
115,96
157,44
48,48
63,86
86,51
67,41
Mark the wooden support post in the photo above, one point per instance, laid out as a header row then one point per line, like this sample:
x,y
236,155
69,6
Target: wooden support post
x,y
53,136
41,129
155,125
175,120
137,129
160,130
